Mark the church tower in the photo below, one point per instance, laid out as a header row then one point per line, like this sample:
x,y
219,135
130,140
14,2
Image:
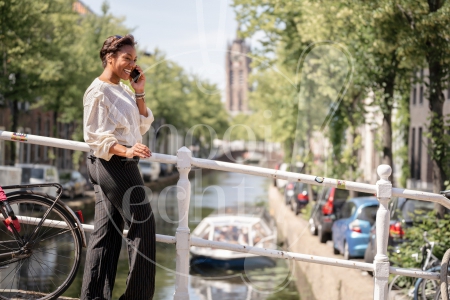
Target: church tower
x,y
238,71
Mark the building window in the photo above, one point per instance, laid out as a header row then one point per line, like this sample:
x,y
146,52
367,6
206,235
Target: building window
x,y
241,77
421,95
231,77
413,153
419,154
414,96
240,101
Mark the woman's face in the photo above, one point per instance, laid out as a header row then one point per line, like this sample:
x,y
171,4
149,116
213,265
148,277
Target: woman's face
x,y
123,62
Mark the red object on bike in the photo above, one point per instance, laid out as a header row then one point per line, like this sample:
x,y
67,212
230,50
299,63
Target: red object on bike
x,y
2,194
303,197
14,222
396,230
79,214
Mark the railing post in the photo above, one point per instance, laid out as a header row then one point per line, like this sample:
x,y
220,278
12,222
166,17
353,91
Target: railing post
x,y
381,261
183,233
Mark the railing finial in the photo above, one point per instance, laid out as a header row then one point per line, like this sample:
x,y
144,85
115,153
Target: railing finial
x,y
384,171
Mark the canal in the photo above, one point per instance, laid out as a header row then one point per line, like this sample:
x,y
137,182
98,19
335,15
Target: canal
x,y
211,190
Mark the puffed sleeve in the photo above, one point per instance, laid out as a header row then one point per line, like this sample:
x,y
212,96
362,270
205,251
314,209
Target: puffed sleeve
x,y
146,121
98,126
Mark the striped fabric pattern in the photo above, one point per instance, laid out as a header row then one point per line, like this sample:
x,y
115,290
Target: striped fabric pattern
x,y
120,198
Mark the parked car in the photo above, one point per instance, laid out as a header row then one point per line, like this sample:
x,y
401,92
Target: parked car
x,y
73,183
351,230
323,213
150,170
404,212
37,173
297,196
166,169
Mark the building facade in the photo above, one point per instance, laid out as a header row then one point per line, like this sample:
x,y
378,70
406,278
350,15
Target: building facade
x,y
36,122
419,159
237,75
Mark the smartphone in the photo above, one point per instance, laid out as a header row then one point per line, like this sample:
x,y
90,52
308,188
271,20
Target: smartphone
x,y
135,75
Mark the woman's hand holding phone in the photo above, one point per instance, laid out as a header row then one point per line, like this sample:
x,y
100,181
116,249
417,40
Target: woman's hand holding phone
x,y
139,85
138,150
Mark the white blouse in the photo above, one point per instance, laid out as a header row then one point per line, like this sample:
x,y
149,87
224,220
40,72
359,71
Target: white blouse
x,y
111,115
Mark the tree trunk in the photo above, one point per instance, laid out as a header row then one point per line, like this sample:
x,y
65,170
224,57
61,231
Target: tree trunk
x,y
387,125
436,128
355,152
55,123
386,108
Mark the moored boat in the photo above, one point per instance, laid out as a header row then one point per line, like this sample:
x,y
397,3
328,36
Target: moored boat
x,y
251,230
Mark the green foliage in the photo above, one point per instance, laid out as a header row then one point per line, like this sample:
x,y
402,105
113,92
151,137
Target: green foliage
x,y
438,230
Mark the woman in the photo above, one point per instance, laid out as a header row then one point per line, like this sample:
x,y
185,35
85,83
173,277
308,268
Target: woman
x,y
115,118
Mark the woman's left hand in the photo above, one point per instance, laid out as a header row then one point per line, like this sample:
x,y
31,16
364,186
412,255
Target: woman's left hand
x,y
140,84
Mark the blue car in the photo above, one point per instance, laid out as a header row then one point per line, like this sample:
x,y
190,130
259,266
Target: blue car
x,y
351,230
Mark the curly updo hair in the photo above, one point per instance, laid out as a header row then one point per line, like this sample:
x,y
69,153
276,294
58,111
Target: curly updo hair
x,y
113,44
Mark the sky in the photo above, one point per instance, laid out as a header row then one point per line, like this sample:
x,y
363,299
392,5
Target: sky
x,y
193,33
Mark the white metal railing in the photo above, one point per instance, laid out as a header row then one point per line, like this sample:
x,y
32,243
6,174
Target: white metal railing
x,y
184,161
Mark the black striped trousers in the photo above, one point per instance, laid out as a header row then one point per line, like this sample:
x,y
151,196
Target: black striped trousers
x,y
119,199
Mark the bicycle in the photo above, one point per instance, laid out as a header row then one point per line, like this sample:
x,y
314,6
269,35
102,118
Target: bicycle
x,y
40,243
429,261
427,288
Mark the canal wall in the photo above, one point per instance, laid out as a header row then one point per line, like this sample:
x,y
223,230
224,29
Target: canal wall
x,y
314,281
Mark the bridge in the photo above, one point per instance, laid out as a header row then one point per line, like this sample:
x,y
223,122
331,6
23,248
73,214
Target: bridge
x,y
183,240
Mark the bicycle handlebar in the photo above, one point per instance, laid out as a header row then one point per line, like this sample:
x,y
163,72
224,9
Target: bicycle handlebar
x,y
446,193
425,238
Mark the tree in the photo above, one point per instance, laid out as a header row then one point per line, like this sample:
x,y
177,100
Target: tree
x,y
28,31
383,29
427,40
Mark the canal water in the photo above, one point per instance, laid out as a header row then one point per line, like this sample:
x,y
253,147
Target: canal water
x,y
211,190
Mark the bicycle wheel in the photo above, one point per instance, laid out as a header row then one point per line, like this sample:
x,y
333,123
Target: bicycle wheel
x,y
425,289
444,274
399,285
51,265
